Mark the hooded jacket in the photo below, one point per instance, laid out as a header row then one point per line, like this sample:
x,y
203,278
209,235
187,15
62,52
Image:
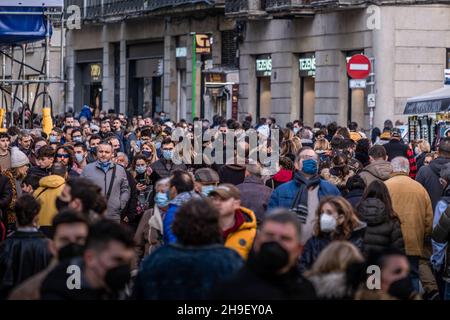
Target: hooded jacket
x,y
169,218
339,182
382,231
377,170
49,189
428,177
241,240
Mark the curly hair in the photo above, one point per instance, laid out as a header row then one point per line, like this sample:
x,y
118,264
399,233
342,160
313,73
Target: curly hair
x,y
197,223
344,208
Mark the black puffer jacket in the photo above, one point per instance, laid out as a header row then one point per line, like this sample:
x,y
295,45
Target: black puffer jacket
x,y
382,231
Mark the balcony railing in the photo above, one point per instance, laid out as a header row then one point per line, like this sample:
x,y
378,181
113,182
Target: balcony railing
x,y
245,7
95,9
285,4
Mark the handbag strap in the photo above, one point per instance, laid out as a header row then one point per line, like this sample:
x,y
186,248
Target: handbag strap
x,y
108,194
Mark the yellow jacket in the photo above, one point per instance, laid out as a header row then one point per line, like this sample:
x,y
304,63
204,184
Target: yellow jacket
x,y
50,188
241,240
412,204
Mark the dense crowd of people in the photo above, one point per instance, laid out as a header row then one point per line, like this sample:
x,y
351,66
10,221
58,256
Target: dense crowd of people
x,y
100,205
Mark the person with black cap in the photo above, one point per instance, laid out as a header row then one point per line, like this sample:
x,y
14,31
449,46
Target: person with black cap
x,y
396,148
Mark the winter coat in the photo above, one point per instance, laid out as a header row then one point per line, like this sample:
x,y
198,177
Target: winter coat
x,y
10,218
428,177
255,196
22,255
49,189
420,160
279,178
130,209
413,206
316,244
120,192
378,170
339,182
284,195
85,112
354,196
241,240
251,283
176,272
163,169
141,236
6,195
232,173
169,218
382,231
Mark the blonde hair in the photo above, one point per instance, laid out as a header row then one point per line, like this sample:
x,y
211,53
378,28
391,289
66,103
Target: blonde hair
x,y
424,146
322,145
153,148
336,257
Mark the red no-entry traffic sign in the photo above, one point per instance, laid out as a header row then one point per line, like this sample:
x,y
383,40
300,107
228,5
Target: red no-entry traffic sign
x,y
358,67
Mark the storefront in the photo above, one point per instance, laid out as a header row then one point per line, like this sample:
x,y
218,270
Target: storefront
x,y
307,73
145,80
263,90
88,78
221,93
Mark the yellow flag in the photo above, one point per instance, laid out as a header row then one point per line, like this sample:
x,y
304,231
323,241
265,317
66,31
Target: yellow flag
x,y
47,122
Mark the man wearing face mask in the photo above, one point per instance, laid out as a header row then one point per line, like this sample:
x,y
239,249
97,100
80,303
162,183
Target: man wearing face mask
x,y
80,153
105,266
71,231
94,141
303,193
206,180
164,167
111,178
270,272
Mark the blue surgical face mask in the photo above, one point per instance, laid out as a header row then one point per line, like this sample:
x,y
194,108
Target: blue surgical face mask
x,y
79,157
147,154
162,199
206,190
77,139
296,130
309,166
167,154
141,169
53,139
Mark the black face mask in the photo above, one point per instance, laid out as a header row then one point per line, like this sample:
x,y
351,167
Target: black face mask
x,y
70,251
271,257
401,289
117,278
60,204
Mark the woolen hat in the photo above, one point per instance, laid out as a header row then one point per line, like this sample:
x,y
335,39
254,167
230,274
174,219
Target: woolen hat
x,y
18,158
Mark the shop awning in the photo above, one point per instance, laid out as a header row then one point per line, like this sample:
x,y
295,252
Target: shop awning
x,y
431,102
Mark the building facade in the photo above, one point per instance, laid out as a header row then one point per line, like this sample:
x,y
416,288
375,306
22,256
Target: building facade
x,y
280,58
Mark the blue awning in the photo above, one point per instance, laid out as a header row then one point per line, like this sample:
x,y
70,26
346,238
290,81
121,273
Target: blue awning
x,y
22,28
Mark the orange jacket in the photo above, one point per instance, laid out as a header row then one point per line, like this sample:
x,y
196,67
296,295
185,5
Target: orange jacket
x,y
241,240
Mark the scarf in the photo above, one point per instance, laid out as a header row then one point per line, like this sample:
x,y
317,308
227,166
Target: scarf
x,y
300,204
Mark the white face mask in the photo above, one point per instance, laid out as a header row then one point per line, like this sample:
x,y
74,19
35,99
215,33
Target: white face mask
x,y
328,223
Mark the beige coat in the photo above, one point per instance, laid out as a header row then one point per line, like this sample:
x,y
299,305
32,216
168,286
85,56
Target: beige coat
x,y
412,204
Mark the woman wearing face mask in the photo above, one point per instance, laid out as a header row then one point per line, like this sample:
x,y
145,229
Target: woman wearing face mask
x,y
421,150
339,173
148,235
336,220
148,150
141,171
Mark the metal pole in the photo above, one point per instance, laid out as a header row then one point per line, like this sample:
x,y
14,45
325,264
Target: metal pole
x,y
47,61
3,77
23,86
12,91
194,74
61,61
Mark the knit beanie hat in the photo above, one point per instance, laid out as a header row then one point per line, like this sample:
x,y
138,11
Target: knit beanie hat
x,y
18,158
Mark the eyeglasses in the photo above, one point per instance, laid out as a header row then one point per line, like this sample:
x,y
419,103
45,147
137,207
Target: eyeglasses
x,y
60,155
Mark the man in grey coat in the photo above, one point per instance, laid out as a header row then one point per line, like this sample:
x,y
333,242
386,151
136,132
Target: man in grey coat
x,y
101,172
255,195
